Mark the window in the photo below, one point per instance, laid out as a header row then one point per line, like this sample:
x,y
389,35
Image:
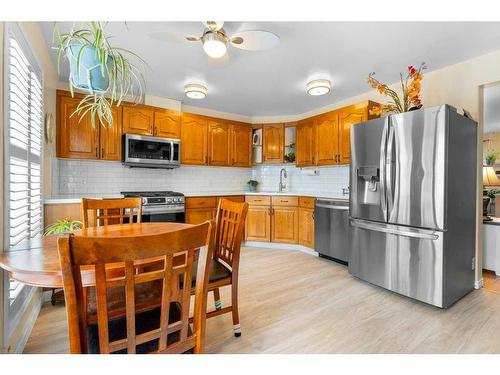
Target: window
x,y
23,111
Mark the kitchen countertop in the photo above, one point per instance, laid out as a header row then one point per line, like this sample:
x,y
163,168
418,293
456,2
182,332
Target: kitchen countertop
x,y
208,194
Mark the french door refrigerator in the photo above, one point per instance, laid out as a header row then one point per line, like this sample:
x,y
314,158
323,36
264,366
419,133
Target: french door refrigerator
x,y
413,203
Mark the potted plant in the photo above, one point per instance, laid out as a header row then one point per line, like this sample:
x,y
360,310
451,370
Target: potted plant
x,y
491,158
410,99
62,226
107,74
252,185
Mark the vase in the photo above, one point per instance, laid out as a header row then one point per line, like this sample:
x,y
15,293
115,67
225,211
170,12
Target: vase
x,y
88,76
251,187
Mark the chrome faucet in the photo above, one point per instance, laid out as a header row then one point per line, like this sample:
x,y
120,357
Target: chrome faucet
x,y
282,185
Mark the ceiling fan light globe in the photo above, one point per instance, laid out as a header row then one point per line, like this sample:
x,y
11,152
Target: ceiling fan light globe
x,y
214,44
319,87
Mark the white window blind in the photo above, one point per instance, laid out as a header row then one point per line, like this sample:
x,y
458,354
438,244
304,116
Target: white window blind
x,y
23,150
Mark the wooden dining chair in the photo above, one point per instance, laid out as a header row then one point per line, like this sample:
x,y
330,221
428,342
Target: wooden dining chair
x,y
111,211
224,266
165,329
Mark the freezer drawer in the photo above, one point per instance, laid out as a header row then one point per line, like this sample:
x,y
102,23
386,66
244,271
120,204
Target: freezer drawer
x,y
332,230
405,260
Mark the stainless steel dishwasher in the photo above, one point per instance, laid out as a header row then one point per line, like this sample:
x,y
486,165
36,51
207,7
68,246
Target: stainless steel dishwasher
x,y
332,229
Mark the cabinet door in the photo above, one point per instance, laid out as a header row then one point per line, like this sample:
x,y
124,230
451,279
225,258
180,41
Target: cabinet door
x,y
284,224
138,120
258,224
199,215
273,143
326,138
111,137
76,138
167,124
348,117
305,143
219,142
306,227
241,146
194,130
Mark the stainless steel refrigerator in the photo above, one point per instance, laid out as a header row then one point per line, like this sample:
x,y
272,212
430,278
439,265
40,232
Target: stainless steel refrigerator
x,y
413,203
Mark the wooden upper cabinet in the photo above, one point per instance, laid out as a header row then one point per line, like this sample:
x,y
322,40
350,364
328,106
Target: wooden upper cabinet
x,y
194,139
219,138
76,138
273,143
167,124
347,117
241,145
111,137
138,120
305,154
326,138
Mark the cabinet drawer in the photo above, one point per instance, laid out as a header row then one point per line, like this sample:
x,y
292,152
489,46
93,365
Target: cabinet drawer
x,y
285,201
306,202
258,200
232,198
201,202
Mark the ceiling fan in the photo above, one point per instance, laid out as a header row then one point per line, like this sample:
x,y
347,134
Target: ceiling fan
x,y
215,40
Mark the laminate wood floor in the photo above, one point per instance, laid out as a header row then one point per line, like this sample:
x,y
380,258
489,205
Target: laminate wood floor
x,y
291,302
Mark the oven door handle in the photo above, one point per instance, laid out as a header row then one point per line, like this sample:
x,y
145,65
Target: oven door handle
x,y
162,210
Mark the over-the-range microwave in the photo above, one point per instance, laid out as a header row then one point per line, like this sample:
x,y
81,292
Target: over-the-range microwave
x,y
151,152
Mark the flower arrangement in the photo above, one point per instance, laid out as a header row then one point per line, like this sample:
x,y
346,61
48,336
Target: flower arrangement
x,y
411,85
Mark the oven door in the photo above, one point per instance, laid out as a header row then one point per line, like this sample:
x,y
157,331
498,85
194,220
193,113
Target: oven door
x,y
152,214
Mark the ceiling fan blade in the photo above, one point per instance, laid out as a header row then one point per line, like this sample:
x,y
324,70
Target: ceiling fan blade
x,y
193,38
213,25
237,40
255,40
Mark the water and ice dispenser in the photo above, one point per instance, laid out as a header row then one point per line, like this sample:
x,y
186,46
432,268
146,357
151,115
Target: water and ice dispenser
x,y
369,185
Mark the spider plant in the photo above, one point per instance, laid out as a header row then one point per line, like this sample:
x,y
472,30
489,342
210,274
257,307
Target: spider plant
x,y
117,72
63,226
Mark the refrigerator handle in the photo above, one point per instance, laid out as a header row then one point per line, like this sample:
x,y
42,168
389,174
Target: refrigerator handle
x,y
427,235
383,169
388,167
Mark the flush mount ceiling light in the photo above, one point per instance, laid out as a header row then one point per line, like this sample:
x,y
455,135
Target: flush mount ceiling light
x,y
214,43
195,91
318,87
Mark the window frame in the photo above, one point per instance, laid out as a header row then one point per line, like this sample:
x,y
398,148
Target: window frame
x,y
12,313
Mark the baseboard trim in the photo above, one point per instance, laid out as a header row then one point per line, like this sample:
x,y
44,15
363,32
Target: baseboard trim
x,y
280,246
478,284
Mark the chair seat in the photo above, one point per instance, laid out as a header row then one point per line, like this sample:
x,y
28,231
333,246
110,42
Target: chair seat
x,y
218,272
144,322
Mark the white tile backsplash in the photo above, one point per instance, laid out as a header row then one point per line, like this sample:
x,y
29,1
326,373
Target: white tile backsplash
x,y
329,180
77,178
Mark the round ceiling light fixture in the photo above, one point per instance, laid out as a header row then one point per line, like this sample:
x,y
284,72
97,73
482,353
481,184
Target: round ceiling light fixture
x,y
319,87
214,43
195,91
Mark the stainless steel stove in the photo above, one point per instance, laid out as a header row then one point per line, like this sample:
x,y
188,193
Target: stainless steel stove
x,y
160,206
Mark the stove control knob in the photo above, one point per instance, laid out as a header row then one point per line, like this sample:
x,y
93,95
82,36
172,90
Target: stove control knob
x,y
169,200
144,200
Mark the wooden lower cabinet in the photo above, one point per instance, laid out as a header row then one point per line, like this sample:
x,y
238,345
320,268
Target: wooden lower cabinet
x,y
306,227
199,215
284,224
258,223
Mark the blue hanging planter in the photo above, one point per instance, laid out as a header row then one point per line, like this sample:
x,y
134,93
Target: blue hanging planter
x,y
89,77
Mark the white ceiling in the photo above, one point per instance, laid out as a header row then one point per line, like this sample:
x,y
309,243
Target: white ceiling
x,y
268,83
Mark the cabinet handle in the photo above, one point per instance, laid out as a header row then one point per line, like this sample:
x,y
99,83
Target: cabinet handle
x,y
206,159
96,152
102,152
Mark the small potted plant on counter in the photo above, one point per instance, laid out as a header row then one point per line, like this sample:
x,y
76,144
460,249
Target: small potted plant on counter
x,y
252,185
491,158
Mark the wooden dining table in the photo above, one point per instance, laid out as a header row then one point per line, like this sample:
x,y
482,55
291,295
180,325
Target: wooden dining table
x,y
36,262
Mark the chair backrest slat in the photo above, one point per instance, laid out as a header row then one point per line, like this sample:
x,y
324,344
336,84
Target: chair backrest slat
x,y
111,211
176,250
230,223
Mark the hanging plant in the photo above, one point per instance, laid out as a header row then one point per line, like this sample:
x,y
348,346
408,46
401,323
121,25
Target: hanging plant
x,y
410,85
107,74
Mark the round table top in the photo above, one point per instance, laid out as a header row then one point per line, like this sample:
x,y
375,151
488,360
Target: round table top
x,y
36,262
